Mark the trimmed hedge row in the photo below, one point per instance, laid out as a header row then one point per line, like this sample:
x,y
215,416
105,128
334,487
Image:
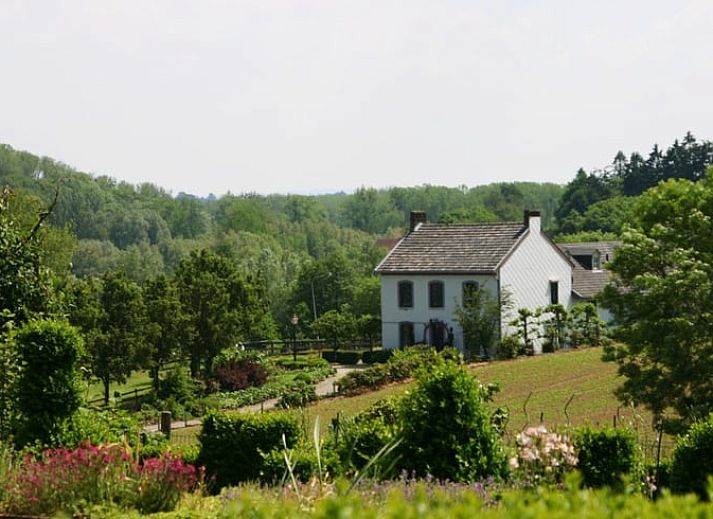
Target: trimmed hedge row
x,y
342,357
353,357
231,444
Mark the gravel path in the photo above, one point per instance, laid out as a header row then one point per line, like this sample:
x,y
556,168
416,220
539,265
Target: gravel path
x,y
323,388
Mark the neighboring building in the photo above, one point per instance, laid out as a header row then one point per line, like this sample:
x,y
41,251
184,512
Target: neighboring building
x,y
425,275
590,274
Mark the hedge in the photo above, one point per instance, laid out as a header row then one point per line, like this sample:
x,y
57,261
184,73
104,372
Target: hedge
x,y
231,444
342,357
692,462
605,456
376,356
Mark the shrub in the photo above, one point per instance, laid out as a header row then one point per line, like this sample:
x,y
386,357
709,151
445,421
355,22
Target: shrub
x,y
446,427
97,428
178,385
46,390
376,356
329,356
297,395
161,482
237,374
72,480
348,357
542,457
510,347
356,441
230,444
606,456
691,464
311,362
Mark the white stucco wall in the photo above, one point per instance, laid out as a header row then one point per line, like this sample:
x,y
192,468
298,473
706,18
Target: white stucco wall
x,y
420,314
527,273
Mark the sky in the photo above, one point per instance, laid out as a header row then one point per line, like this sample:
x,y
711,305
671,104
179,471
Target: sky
x,y
275,96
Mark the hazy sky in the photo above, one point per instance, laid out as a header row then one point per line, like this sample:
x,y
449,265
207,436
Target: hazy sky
x,y
318,96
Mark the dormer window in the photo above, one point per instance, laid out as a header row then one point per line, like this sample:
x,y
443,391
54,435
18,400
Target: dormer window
x,y
596,260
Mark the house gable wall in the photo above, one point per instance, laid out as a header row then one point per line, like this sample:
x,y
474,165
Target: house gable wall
x,y
526,274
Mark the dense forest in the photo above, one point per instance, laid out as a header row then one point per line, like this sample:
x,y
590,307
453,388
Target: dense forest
x,y
304,255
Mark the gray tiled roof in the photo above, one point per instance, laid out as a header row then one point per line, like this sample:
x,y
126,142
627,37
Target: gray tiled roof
x,y
588,283
452,248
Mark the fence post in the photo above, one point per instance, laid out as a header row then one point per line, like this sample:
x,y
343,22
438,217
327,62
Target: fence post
x,y
165,424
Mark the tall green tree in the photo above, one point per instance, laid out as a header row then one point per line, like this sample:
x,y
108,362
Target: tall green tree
x,y
167,326
222,307
111,317
662,296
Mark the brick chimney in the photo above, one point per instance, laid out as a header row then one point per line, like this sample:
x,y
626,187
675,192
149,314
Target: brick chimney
x,y
417,218
533,220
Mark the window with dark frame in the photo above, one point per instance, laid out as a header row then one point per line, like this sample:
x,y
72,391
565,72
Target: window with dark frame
x,y
554,292
405,294
406,334
436,296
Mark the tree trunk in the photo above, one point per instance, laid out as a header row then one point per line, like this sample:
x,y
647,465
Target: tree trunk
x,y
105,381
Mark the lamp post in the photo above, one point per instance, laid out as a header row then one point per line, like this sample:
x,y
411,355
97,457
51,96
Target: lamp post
x,y
294,322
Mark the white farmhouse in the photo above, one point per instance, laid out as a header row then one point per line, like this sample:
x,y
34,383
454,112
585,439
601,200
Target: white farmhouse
x,y
425,275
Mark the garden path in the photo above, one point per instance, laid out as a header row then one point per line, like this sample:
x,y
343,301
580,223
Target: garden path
x,y
324,388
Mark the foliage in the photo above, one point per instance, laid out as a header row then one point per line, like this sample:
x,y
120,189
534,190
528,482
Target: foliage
x,y
297,395
510,347
479,318
231,444
554,320
221,305
337,326
98,428
543,457
606,456
342,357
357,441
376,356
401,364
72,480
691,467
167,325
46,390
446,429
526,330
239,373
585,326
661,296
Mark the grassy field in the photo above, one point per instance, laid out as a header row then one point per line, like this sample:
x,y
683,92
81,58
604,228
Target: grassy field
x,y
534,389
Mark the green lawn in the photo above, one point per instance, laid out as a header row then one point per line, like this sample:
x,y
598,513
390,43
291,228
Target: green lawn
x,y
532,389
139,380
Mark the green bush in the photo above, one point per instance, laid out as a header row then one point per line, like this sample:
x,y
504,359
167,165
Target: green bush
x,y
606,456
306,362
446,427
376,356
329,356
692,461
177,384
98,428
230,444
510,347
357,440
348,357
298,395
46,390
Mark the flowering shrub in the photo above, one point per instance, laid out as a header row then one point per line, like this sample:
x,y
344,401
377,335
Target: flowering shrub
x,y
71,479
62,478
542,456
161,481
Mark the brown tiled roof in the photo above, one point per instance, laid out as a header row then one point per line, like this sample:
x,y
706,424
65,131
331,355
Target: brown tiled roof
x,y
605,248
452,249
588,283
